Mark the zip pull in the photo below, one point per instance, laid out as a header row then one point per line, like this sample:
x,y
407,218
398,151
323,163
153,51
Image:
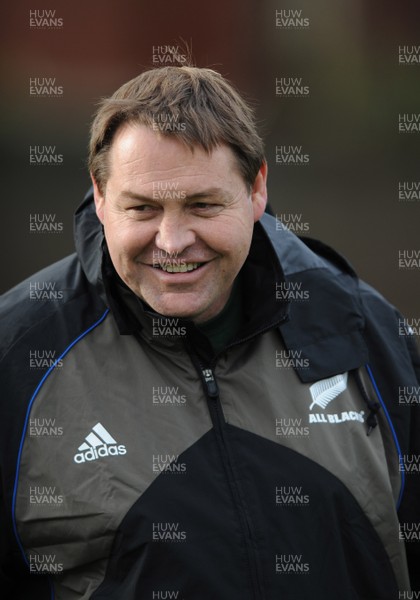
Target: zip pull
x,y
211,383
374,407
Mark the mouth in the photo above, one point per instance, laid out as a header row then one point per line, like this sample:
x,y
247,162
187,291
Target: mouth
x,y
184,267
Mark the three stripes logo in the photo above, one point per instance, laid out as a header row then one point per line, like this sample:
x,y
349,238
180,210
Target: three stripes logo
x,y
98,444
324,391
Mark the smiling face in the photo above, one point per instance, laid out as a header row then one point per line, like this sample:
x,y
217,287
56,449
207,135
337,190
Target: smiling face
x,y
178,223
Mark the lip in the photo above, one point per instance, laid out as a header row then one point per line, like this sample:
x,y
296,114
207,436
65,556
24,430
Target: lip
x,y
180,278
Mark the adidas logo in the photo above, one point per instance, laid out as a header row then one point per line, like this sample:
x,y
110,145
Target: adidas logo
x,y
99,443
324,391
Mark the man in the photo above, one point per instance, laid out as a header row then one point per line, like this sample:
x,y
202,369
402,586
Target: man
x,y
203,431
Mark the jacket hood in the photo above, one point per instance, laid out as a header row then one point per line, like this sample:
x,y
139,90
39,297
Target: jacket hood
x,y
88,239
317,306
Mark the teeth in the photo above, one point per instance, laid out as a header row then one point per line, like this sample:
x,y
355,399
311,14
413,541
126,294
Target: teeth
x,y
180,268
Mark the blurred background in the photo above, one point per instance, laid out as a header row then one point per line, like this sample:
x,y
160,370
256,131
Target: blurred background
x,y
330,81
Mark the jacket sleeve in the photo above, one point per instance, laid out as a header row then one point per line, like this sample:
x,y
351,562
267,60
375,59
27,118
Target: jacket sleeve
x,y
395,361
410,507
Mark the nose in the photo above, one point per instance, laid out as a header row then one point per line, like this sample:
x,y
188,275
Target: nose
x,y
174,234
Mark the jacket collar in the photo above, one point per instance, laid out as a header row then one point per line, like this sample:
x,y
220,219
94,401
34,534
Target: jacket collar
x,y
326,321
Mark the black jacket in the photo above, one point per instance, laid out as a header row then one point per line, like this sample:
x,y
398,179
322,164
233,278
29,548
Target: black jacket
x,y
137,464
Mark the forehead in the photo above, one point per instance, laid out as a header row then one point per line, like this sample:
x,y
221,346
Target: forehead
x,y
140,154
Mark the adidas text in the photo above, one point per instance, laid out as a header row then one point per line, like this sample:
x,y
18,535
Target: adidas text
x,y
99,452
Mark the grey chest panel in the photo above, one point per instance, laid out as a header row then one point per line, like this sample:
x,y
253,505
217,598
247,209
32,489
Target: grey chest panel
x,y
103,426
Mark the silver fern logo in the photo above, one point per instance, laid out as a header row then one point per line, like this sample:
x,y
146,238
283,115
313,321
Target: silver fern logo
x,y
324,391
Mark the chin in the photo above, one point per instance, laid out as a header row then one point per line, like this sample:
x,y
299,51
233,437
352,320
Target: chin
x,y
178,313
181,309
168,310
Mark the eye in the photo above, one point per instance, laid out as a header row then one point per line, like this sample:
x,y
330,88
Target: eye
x,y
202,205
143,208
141,212
206,209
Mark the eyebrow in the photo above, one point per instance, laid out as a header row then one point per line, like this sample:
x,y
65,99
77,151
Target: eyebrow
x,y
208,193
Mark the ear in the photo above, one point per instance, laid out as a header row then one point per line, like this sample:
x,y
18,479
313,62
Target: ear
x,y
259,192
99,200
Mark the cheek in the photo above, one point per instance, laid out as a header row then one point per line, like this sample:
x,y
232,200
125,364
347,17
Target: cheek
x,y
124,239
231,234
234,252
237,239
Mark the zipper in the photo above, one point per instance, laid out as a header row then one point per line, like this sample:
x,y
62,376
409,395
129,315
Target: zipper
x,y
211,390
